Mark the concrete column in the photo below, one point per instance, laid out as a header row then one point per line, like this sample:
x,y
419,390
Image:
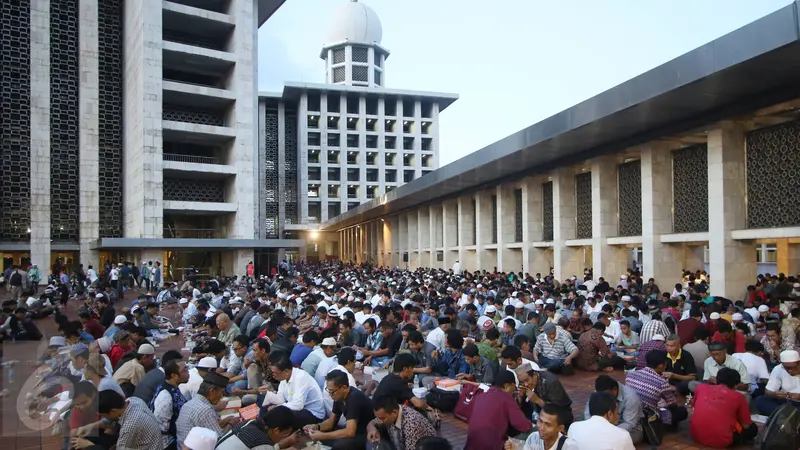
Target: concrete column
x,y
242,224
660,261
414,255
464,226
143,98
40,135
450,232
89,103
608,261
732,263
423,226
433,233
483,234
566,260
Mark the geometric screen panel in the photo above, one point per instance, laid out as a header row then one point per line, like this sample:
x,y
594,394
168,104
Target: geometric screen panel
x,y
690,189
271,174
583,205
64,121
630,199
291,173
773,176
186,190
15,114
109,20
547,211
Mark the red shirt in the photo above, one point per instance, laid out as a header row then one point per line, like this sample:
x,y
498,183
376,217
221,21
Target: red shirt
x,y
495,411
94,328
738,341
718,412
116,354
686,330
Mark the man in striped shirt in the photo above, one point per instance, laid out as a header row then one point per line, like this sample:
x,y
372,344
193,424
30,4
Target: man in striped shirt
x,y
651,387
653,327
555,351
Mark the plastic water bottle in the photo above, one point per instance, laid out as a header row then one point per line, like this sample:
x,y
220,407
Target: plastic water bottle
x,y
11,374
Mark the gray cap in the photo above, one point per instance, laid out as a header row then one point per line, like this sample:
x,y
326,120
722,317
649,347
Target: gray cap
x,y
549,327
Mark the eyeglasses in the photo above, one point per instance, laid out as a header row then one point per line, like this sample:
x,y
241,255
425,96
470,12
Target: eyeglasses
x,y
333,391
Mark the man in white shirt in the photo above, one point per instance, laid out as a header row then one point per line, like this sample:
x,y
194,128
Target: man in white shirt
x,y
599,432
783,385
189,388
327,363
436,336
297,391
755,363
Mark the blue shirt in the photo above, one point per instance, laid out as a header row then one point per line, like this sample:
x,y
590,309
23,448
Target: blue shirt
x,y
451,364
299,354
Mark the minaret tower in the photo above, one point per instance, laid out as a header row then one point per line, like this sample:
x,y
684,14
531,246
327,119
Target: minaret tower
x,y
353,55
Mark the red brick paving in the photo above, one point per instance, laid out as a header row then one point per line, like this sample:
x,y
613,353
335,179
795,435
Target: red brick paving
x,y
14,435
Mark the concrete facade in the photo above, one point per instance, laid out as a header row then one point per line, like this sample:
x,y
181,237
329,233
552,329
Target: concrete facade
x,y
187,122
704,188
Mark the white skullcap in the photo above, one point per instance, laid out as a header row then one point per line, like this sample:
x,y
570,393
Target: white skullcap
x,y
119,320
715,316
539,302
207,363
550,301
763,308
658,337
518,305
790,356
737,317
626,298
491,309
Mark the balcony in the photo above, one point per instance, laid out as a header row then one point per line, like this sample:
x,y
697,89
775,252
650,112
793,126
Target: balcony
x,y
191,159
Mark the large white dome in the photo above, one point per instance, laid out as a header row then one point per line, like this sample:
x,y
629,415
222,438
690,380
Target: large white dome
x,y
355,22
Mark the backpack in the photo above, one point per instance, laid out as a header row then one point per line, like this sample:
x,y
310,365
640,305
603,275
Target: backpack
x,y
669,321
16,279
652,426
782,430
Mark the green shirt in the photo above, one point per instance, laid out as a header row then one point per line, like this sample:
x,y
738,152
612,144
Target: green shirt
x,y
486,350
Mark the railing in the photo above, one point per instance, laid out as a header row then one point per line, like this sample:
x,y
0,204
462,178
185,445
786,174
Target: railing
x,y
193,233
191,158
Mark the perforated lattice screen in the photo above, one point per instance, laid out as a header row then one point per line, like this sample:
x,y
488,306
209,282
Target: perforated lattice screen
x,y
15,112
338,56
271,175
517,215
630,199
338,75
291,172
690,189
361,73
110,121
547,211
193,115
773,176
583,205
360,54
64,121
185,190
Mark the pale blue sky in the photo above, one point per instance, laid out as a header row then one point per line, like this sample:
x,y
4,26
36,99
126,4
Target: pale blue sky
x,y
513,62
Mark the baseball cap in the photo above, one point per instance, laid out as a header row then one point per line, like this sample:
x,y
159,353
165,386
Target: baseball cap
x,y
550,327
207,363
120,319
146,349
329,342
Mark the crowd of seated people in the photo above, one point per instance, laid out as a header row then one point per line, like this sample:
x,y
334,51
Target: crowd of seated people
x,y
298,347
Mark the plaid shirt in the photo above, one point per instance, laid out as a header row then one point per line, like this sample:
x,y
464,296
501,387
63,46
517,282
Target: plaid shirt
x,y
561,347
651,388
197,412
645,348
138,427
653,328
